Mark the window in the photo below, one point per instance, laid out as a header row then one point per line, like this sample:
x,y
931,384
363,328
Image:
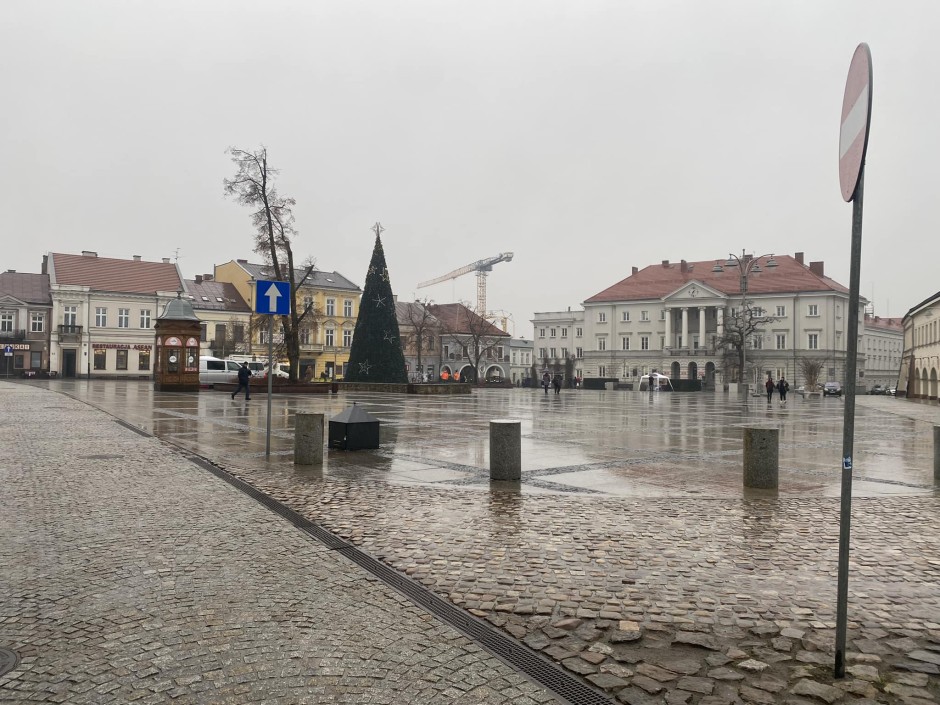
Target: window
x,y
121,359
601,371
101,317
263,336
551,353
6,322
781,341
644,315
328,336
37,322
143,359
220,334
305,336
543,353
101,359
812,310
564,332
625,316
625,343
70,315
238,332
347,338
812,341
577,332
541,332
602,343
308,303
781,311
578,353
124,321
757,342
564,353
644,342
145,321
601,317
347,308
551,332
35,360
331,307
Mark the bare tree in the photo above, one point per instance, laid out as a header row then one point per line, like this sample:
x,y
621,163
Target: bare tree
x,y
477,336
273,219
810,367
738,329
424,327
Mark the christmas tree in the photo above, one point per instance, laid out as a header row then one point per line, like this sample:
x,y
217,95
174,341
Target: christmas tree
x,y
376,354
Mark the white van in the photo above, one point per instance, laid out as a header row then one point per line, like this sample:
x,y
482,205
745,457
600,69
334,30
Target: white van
x,y
213,370
661,383
255,364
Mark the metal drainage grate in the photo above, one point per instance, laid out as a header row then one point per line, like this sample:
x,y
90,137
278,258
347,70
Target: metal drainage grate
x,y
8,661
501,645
133,428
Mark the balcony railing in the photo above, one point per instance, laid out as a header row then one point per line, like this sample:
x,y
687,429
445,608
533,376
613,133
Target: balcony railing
x,y
70,330
12,334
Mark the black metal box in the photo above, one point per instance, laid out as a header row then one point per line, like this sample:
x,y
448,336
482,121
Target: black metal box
x,y
354,429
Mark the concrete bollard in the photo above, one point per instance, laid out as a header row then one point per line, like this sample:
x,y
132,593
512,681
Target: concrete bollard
x,y
506,450
936,454
308,439
761,458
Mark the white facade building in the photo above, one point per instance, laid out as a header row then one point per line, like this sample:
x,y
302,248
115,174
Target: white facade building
x,y
670,318
883,345
920,363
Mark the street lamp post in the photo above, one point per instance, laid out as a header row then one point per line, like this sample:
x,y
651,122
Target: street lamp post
x,y
747,265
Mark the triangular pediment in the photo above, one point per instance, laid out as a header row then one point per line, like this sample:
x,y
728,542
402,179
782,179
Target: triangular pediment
x,y
694,291
7,301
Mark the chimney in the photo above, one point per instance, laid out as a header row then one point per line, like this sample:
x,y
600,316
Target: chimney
x,y
683,266
635,270
89,253
242,261
208,277
798,257
818,268
11,271
137,258
45,264
665,263
199,279
166,260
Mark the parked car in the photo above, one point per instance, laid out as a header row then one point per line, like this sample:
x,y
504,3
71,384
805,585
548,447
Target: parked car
x,y
877,389
833,389
891,391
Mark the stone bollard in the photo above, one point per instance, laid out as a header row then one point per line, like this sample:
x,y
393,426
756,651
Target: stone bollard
x,y
936,454
506,450
761,458
308,439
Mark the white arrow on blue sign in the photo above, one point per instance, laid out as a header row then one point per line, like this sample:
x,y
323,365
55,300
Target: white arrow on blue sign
x,y
273,298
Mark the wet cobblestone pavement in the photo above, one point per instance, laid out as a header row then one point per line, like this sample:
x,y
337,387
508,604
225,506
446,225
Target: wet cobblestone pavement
x,y
629,553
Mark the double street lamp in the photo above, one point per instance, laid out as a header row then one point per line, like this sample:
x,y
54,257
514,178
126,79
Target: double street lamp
x,y
747,265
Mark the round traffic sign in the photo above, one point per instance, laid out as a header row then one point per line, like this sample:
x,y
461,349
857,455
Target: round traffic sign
x,y
856,118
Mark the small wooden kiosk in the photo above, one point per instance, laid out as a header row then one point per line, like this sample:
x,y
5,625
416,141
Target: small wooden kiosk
x,y
177,360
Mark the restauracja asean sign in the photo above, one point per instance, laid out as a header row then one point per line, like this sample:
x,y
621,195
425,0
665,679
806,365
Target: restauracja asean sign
x,y
119,346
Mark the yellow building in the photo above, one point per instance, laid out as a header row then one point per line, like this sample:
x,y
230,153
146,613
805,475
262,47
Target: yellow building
x,y
325,336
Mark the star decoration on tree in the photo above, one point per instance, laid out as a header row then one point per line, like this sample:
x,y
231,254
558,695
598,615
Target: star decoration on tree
x,y
379,300
364,367
389,337
371,270
385,274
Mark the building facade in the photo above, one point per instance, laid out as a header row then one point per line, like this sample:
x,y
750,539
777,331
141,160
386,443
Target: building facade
x,y
883,344
325,336
103,313
521,360
671,318
420,333
25,318
225,316
920,361
472,348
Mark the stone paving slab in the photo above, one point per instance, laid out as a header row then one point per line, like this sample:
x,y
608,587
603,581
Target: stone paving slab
x,y
681,588
130,575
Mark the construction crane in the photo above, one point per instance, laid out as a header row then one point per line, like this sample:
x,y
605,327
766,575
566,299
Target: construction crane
x,y
481,267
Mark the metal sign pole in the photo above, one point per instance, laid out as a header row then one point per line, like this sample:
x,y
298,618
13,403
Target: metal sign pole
x,y
267,439
848,428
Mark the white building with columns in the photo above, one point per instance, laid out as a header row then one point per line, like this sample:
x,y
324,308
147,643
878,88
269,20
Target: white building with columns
x,y
670,316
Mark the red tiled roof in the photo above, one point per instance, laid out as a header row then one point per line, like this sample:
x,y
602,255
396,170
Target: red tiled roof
x,y
892,324
659,280
457,318
117,275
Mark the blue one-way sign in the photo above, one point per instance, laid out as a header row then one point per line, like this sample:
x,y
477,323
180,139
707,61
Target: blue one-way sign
x,y
273,298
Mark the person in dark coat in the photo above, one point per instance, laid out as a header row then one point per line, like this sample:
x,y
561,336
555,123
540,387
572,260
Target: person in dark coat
x,y
783,387
546,381
769,386
244,374
556,383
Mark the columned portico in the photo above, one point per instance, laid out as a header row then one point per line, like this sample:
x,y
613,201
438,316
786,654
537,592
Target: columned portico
x,y
667,343
685,327
721,321
701,327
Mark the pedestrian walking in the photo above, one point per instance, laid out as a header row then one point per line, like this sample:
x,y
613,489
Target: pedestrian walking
x,y
769,386
783,387
244,374
557,384
546,381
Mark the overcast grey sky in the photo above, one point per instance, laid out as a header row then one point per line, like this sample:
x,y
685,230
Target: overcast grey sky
x,y
586,137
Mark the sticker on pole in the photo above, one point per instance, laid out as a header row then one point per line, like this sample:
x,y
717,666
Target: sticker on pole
x,y
847,463
856,119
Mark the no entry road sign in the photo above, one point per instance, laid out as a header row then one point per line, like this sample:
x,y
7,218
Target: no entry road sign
x,y
856,117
